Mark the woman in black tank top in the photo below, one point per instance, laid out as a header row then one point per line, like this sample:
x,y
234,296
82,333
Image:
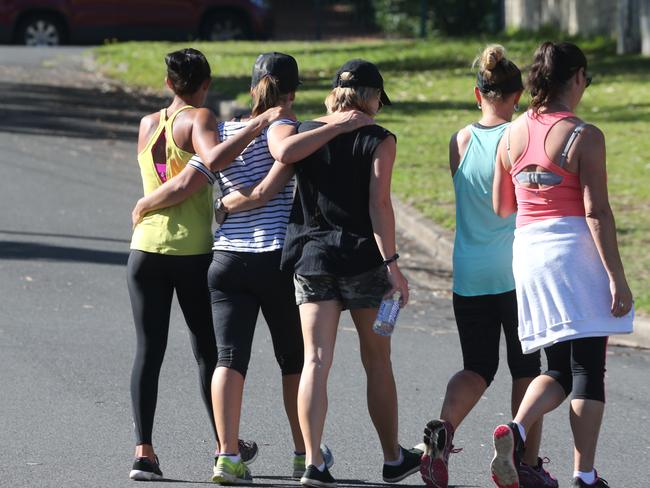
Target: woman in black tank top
x,y
340,244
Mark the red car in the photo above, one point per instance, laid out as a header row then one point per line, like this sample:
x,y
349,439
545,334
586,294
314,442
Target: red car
x,y
53,22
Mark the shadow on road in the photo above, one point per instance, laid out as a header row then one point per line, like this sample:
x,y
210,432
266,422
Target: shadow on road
x,y
73,111
66,236
16,250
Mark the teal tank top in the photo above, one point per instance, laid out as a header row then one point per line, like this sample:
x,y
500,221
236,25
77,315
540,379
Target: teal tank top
x,y
482,256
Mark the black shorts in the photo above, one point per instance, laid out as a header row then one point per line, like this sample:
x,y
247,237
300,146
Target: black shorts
x,y
578,365
241,284
479,320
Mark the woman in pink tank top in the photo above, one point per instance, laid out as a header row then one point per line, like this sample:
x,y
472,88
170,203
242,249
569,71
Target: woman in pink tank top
x,y
571,287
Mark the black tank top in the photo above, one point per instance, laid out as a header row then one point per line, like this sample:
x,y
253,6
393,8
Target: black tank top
x,y
330,231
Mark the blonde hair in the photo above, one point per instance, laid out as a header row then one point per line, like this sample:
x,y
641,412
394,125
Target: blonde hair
x,y
347,98
495,68
266,94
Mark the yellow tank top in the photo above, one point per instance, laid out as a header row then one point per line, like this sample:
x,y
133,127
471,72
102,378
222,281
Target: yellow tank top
x,y
184,229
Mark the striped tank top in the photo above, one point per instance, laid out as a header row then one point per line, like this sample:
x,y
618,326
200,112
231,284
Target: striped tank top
x,y
261,229
482,258
183,229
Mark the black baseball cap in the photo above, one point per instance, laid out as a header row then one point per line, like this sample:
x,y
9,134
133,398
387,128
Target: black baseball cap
x,y
281,66
364,73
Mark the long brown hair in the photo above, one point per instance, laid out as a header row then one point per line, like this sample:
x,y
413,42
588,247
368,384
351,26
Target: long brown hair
x,y
553,65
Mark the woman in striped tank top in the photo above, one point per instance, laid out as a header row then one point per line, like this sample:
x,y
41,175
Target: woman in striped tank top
x,y
571,287
484,298
245,275
170,248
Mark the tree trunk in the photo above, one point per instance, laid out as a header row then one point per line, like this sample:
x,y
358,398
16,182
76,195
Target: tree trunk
x,y
628,37
645,27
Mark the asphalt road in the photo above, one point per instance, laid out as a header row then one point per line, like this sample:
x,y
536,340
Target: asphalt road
x,y
69,179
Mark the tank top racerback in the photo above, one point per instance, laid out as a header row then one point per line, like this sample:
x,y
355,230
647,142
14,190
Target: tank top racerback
x,y
482,258
561,196
183,229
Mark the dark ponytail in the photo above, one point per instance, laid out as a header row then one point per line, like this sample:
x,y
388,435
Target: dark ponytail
x,y
553,65
187,69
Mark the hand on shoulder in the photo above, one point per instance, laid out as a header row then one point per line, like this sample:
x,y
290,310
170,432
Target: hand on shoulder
x,y
350,120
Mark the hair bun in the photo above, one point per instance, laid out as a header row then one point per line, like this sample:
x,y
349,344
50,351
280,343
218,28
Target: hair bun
x,y
491,56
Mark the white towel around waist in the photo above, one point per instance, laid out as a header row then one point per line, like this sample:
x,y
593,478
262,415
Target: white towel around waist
x,y
562,286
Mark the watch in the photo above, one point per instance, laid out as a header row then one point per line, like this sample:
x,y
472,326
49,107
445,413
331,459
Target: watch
x,y
220,212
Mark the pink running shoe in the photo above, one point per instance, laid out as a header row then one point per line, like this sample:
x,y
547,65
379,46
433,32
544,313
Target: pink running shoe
x,y
438,437
508,447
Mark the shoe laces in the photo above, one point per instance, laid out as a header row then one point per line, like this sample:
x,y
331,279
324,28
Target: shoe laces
x,y
245,444
454,450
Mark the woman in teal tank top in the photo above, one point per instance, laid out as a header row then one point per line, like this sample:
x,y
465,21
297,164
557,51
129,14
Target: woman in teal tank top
x,y
484,298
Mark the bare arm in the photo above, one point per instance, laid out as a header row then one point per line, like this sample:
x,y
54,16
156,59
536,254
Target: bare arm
x,y
381,213
503,190
457,147
600,219
217,155
288,147
259,194
172,192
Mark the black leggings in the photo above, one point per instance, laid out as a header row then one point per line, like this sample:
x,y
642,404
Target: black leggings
x,y
152,279
579,367
479,320
242,283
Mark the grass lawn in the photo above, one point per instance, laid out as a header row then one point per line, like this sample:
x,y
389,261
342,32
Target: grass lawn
x,y
430,83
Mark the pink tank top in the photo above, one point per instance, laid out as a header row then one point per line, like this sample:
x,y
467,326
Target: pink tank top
x,y
563,195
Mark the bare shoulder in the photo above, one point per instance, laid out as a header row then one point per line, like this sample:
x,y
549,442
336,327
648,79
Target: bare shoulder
x,y
463,136
148,122
460,139
593,134
148,125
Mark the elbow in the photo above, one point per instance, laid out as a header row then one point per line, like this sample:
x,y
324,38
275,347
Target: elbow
x,y
283,155
600,213
380,205
504,212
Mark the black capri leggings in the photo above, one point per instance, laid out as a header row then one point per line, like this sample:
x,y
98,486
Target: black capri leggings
x,y
242,283
479,320
152,279
579,367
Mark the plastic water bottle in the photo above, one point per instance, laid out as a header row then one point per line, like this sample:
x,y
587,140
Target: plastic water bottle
x,y
387,315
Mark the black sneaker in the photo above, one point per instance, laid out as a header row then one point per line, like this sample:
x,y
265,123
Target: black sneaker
x,y
599,483
508,448
144,469
313,477
410,465
248,451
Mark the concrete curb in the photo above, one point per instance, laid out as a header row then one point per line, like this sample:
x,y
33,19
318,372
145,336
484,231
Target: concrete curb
x,y
439,242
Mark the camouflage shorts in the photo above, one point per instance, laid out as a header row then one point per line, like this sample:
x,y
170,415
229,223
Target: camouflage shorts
x,y
365,290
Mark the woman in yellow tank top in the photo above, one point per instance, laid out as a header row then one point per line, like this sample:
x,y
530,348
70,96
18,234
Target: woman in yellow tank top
x,y
171,247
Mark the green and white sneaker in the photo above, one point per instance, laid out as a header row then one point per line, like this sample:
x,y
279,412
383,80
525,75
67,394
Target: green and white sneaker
x,y
227,472
299,461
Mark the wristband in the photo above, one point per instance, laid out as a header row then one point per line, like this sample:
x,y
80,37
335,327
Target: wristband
x,y
391,259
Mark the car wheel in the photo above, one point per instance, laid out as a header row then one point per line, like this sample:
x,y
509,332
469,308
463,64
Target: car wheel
x,y
223,26
40,30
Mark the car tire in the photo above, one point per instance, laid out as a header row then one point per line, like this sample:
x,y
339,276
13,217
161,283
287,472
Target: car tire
x,y
40,30
224,26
